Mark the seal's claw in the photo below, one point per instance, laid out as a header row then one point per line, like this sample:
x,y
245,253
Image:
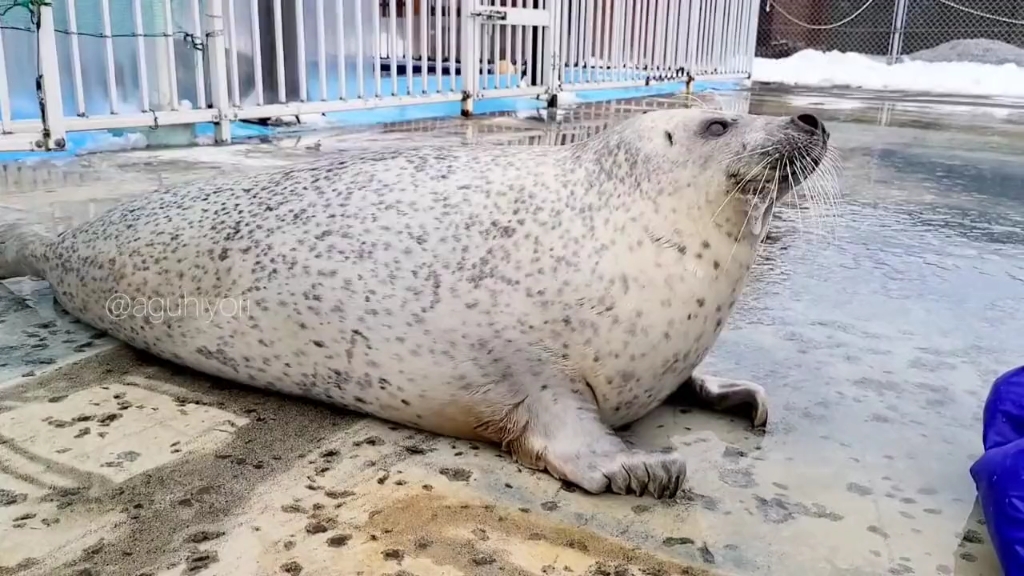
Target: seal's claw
x,y
725,395
660,475
630,472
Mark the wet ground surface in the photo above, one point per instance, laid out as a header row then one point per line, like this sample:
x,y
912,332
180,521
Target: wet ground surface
x,y
876,328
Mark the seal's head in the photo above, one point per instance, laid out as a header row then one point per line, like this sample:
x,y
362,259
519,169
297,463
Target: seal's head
x,y
737,164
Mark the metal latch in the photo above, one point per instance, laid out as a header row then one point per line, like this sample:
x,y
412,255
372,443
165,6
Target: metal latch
x,y
490,15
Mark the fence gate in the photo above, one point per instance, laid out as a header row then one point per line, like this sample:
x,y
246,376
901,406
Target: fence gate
x,y
510,50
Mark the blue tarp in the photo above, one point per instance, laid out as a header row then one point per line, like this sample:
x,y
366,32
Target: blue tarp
x,y
999,472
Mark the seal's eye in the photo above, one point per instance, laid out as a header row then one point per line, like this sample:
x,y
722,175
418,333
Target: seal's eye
x,y
716,128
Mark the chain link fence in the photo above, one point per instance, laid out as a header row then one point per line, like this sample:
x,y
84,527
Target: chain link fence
x,y
988,31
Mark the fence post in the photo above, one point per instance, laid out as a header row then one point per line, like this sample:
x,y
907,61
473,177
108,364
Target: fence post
x,y
51,102
216,51
551,56
691,40
470,55
899,16
750,44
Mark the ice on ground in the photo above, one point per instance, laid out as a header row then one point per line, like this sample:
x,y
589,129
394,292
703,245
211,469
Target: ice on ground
x,y
823,69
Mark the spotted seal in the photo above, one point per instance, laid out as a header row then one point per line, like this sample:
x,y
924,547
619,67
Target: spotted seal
x,y
532,297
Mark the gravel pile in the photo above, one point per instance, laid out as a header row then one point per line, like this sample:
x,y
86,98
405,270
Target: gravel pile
x,y
980,50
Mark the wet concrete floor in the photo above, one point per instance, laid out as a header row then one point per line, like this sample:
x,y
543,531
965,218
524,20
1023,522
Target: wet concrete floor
x,y
876,326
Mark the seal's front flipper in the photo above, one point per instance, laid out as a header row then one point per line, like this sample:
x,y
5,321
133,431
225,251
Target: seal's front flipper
x,y
723,395
558,429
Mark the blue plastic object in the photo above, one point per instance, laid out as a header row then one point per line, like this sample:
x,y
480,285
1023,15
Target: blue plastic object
x,y
999,472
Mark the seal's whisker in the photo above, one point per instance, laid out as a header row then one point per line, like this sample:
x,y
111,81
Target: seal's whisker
x,y
812,191
736,241
820,186
751,153
690,98
796,195
771,214
751,174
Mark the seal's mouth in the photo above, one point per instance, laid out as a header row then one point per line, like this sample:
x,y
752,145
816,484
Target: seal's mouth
x,y
796,154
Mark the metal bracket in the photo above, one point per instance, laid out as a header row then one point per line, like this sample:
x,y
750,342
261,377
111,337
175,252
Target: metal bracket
x,y
490,15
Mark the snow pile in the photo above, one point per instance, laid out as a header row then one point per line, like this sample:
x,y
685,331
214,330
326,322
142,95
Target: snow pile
x,y
813,68
977,50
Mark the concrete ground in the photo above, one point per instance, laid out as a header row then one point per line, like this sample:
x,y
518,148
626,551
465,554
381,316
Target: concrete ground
x,y
114,463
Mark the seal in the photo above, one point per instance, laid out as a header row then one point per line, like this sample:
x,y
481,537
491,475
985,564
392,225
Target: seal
x,y
532,297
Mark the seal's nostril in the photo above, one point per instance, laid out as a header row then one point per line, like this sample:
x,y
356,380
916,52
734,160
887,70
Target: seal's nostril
x,y
810,120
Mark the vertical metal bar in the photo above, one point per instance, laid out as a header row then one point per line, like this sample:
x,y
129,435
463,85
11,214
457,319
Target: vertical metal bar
x,y
563,54
691,37
5,93
409,42
588,39
674,37
49,70
608,33
198,57
615,56
575,42
108,44
899,15
721,21
257,52
171,60
521,62
360,64
76,61
438,41
495,38
730,36
661,29
526,37
300,47
644,34
737,35
635,39
508,53
424,42
470,29
376,49
751,43
713,35
723,38
704,39
282,95
393,45
232,30
340,40
217,55
140,57
683,36
321,49
453,29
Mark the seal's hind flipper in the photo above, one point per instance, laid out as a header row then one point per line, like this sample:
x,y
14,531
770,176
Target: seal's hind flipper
x,y
724,395
21,246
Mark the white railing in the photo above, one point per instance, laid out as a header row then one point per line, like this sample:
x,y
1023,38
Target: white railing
x,y
137,64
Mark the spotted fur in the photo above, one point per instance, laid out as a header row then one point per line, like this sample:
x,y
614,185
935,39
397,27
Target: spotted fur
x,y
479,292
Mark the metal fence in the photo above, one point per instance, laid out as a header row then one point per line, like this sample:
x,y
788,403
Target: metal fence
x,y
79,65
891,28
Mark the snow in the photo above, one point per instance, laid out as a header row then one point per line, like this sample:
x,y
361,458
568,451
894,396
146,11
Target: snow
x,y
824,69
107,142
